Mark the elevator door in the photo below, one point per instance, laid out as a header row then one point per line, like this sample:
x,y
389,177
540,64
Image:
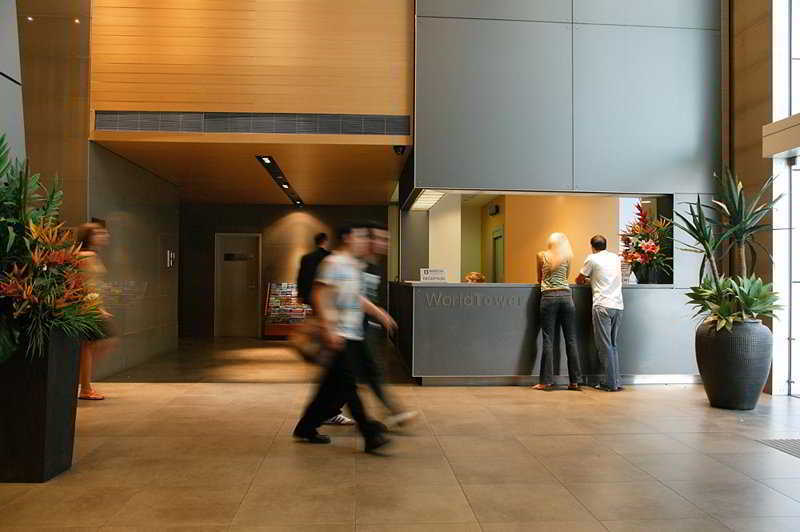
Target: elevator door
x,y
237,304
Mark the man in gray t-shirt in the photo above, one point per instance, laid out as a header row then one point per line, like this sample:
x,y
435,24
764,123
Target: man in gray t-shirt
x,y
603,269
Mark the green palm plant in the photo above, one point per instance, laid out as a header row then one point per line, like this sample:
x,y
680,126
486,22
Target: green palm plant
x,y
729,222
742,218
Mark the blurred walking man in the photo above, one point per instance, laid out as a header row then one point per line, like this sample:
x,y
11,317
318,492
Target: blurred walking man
x,y
339,302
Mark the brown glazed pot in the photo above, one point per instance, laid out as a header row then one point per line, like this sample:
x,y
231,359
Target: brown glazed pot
x,y
734,364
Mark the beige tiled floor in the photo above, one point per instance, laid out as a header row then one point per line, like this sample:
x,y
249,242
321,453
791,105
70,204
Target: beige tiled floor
x,y
201,440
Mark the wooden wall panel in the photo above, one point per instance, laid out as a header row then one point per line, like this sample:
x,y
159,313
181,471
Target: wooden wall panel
x,y
284,56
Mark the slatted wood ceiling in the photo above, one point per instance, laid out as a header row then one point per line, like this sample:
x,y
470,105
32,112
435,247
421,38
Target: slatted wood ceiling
x,y
279,56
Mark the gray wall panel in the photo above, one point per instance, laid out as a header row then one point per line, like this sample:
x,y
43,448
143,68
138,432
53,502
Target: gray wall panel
x,y
493,105
540,10
11,117
141,211
647,109
9,42
498,334
413,244
670,13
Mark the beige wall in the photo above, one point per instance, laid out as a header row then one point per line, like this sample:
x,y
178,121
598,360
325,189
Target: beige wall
x,y
271,56
444,240
488,225
471,221
529,220
54,54
751,99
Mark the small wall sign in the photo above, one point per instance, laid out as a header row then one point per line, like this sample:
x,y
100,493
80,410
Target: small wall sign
x,y
433,275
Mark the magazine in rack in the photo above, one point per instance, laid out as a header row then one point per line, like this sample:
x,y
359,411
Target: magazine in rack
x,y
283,310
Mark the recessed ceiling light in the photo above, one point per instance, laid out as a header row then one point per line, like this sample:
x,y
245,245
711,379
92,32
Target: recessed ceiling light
x,y
30,19
266,160
77,21
271,165
285,185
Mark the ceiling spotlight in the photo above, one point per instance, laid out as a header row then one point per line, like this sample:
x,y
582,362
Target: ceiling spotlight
x,y
271,165
30,19
77,21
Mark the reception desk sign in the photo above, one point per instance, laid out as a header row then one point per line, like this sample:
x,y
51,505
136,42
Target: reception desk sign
x,y
433,275
439,299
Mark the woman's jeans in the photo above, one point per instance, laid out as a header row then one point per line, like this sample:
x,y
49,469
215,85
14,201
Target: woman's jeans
x,y
557,312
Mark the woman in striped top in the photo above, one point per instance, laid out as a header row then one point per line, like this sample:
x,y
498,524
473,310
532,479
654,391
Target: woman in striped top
x,y
556,310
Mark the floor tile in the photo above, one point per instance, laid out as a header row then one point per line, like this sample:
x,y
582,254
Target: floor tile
x,y
309,504
398,504
694,466
551,445
500,470
519,503
593,468
763,465
788,486
668,525
737,499
431,527
764,524
560,526
180,506
633,500
9,492
719,442
485,446
65,507
380,470
301,470
626,444
293,528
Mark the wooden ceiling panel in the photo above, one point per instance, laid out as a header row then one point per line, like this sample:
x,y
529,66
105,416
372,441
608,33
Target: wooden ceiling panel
x,y
322,174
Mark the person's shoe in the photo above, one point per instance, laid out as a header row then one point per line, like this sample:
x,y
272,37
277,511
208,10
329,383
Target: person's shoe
x,y
374,443
312,437
398,420
604,388
574,386
542,387
339,419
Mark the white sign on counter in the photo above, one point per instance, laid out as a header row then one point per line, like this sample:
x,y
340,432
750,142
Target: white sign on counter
x,y
433,275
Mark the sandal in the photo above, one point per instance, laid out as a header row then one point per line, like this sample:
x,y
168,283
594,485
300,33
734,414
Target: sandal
x,y
91,396
543,387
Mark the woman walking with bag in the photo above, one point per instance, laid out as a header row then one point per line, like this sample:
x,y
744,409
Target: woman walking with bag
x,y
556,310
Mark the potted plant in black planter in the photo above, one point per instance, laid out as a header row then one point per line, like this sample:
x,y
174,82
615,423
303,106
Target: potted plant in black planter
x,y
733,347
45,310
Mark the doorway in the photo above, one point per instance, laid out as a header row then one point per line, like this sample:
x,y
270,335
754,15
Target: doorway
x,y
237,285
498,256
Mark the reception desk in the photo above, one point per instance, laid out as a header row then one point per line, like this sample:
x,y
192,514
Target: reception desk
x,y
454,333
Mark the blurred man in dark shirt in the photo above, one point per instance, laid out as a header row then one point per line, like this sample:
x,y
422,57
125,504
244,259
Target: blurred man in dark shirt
x,y
309,265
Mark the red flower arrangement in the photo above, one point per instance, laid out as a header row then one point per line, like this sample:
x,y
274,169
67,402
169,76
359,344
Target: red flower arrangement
x,y
647,245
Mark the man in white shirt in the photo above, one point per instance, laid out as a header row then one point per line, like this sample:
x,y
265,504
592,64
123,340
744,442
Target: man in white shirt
x,y
603,269
340,304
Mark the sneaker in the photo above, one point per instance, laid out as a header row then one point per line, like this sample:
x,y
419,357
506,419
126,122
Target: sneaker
x,y
398,420
340,419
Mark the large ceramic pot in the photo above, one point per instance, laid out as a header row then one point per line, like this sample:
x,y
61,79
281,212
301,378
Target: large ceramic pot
x,y
734,364
37,413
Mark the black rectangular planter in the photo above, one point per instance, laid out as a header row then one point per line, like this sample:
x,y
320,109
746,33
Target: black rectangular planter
x,y
38,399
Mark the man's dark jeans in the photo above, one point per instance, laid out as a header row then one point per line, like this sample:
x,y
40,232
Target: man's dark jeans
x,y
336,389
557,312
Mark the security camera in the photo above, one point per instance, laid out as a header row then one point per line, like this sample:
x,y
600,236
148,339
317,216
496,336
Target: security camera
x,y
399,150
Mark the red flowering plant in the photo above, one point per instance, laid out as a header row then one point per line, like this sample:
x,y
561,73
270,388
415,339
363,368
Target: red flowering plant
x,y
41,286
647,246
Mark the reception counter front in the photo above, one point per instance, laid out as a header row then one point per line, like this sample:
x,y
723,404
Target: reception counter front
x,y
453,333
